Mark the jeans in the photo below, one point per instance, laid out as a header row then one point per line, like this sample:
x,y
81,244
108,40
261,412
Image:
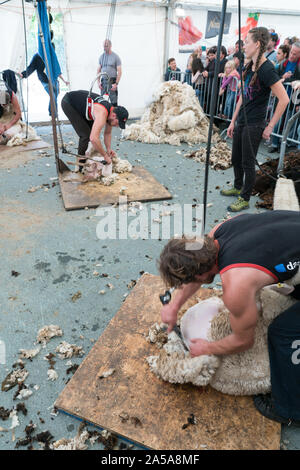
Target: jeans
x,y
229,103
284,355
188,77
200,95
244,155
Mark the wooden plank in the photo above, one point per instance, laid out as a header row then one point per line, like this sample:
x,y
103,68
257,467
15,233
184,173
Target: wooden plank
x,y
6,151
224,421
140,184
12,157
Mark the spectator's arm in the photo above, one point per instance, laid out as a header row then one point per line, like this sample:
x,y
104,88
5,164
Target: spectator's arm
x,y
119,74
196,76
283,100
31,67
62,78
99,71
226,81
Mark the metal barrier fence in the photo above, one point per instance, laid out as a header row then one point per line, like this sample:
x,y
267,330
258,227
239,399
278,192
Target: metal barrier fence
x,y
226,103
292,108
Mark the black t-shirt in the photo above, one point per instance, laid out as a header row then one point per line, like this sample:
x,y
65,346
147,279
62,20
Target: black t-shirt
x,y
78,98
256,97
268,242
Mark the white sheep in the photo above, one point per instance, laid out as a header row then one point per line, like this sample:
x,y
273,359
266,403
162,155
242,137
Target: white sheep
x,y
244,373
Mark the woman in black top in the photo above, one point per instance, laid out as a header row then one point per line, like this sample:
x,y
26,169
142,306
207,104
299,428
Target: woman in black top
x,y
259,78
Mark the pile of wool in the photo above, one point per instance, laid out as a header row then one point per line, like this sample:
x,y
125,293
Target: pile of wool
x,y
174,116
47,332
121,166
66,350
220,156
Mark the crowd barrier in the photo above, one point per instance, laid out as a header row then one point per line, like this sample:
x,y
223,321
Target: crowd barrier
x,y
203,91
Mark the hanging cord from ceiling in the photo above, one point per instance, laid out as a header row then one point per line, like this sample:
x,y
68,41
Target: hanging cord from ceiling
x,y
26,65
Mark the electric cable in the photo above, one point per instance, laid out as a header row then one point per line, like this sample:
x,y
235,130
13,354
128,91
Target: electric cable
x,y
4,2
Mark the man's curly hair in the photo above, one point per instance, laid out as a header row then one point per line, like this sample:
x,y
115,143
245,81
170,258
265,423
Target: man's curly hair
x,y
179,264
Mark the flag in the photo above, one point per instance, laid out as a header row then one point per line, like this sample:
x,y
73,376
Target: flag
x,y
188,33
251,22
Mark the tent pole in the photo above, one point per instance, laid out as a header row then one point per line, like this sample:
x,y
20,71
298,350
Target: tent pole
x,y
167,35
213,103
59,163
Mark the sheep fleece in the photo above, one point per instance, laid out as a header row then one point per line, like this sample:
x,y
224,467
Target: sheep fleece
x,y
245,373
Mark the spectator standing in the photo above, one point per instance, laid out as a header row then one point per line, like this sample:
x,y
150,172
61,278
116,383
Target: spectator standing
x,y
236,49
271,52
238,58
197,79
259,77
282,55
110,63
173,72
288,71
230,83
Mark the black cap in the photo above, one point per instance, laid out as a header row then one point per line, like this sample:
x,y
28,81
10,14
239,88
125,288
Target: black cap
x,y
122,115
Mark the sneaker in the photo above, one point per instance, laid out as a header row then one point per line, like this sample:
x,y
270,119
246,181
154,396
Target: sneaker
x,y
239,205
272,149
264,404
230,192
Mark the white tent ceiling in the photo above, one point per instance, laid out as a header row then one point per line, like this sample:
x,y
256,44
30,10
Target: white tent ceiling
x,y
139,34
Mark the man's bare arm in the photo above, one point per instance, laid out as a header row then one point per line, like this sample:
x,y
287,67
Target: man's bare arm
x,y
240,301
98,71
107,137
119,74
99,122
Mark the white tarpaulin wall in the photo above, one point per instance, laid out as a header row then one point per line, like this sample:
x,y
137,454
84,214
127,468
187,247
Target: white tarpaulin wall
x,y
138,38
12,35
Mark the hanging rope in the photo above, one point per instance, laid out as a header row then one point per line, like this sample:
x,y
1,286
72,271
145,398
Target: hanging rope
x,y
108,37
26,63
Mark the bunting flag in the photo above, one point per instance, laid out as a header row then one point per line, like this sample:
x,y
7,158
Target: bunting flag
x,y
188,33
251,22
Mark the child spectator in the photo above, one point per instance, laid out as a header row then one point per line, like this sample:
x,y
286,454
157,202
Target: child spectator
x,y
230,83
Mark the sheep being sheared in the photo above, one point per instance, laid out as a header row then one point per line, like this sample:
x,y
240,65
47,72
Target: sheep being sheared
x,y
94,169
19,133
245,373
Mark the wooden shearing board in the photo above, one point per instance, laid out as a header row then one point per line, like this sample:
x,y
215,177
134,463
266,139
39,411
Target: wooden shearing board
x,y
6,151
159,409
140,184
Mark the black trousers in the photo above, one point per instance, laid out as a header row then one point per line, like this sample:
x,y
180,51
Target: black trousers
x,y
243,159
284,354
81,125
